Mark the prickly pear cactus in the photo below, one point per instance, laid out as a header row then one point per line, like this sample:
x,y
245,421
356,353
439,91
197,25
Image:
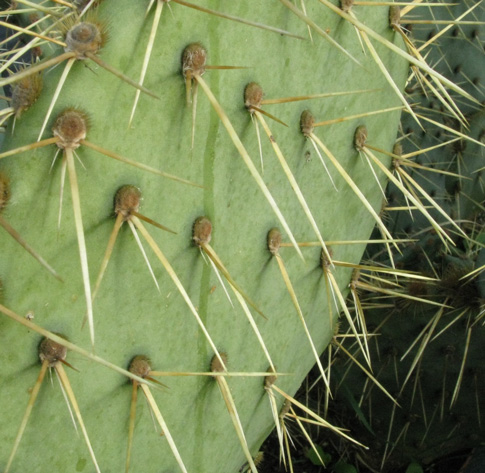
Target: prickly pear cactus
x,y
130,314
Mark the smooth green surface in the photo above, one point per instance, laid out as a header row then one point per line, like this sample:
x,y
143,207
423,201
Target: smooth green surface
x,y
131,317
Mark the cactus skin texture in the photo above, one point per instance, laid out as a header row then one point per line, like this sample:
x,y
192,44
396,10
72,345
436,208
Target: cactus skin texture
x,y
130,316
